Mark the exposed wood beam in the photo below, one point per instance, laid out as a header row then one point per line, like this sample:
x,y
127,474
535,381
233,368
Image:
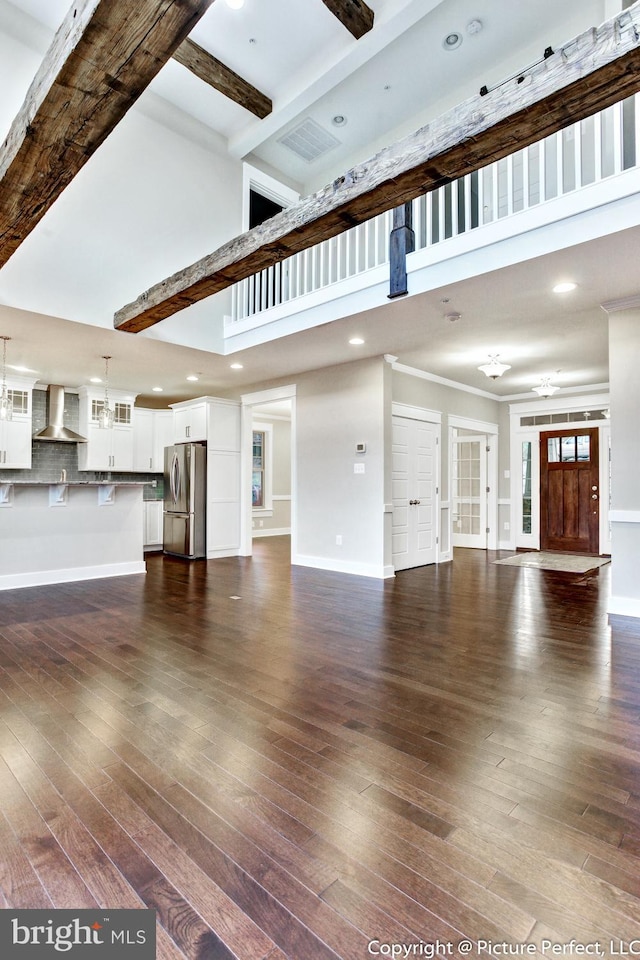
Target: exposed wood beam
x,y
101,59
590,73
356,16
216,74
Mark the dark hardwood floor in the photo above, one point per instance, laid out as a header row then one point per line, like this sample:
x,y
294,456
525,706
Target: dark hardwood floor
x,y
291,763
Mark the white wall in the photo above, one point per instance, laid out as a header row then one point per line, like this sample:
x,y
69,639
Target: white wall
x,y
624,344
335,409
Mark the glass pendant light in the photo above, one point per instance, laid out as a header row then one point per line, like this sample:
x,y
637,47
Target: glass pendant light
x,y
106,413
6,403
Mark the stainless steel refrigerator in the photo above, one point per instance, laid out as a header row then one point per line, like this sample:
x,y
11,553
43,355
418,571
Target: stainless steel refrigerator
x,y
185,498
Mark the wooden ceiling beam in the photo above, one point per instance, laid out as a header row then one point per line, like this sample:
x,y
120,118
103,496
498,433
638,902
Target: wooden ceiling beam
x,y
101,59
205,66
355,15
589,74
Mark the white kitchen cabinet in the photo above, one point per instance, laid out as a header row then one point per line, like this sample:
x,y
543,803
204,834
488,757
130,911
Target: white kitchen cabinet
x,y
162,436
15,434
152,524
142,440
106,449
189,421
153,431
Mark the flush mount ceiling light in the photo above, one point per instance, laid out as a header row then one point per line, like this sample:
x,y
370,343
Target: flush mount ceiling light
x,y
158,389
493,368
565,287
546,389
453,316
236,366
452,40
6,403
192,378
356,341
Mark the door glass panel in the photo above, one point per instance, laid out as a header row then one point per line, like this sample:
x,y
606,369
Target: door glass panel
x,y
526,486
568,448
584,448
553,450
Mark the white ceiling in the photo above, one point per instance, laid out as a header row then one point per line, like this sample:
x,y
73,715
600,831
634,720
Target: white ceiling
x,y
389,82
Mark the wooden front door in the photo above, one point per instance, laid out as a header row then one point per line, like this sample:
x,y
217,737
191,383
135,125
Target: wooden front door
x,y
569,491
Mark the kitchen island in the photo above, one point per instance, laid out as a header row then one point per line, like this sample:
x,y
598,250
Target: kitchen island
x,y
66,531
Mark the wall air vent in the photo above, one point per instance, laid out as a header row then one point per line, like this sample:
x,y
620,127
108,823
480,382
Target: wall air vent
x,y
309,140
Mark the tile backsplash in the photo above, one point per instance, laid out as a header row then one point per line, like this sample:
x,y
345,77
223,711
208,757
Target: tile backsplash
x,y
50,458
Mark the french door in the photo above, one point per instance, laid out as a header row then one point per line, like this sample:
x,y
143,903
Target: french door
x,y
570,490
414,492
469,491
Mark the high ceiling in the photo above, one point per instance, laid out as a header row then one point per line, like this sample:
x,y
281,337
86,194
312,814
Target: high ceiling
x,y
383,85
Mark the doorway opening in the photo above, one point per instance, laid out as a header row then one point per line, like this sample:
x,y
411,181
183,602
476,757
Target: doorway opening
x,y
268,467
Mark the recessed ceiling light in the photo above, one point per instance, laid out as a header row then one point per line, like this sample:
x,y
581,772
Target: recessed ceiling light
x,y
339,120
236,366
157,389
95,380
452,40
192,378
356,341
235,4
564,287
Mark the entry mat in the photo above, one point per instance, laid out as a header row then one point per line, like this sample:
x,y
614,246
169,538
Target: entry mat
x,y
571,563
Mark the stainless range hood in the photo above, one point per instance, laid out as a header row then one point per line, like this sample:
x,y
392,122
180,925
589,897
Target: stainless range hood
x,y
55,429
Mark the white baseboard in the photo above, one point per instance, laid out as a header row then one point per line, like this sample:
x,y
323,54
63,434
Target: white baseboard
x,y
223,552
41,578
379,572
275,532
624,607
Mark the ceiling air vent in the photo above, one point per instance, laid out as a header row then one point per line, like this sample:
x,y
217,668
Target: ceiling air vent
x,y
309,140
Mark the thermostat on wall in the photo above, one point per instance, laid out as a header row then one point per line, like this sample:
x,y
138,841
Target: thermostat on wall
x,y
361,448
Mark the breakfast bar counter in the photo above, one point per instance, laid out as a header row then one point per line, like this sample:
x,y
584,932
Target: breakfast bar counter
x,y
66,531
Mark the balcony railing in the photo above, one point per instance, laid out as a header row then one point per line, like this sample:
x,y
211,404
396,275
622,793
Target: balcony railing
x,y
585,153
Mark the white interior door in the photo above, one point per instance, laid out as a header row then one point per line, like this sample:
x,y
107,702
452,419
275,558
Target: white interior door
x,y
469,491
414,492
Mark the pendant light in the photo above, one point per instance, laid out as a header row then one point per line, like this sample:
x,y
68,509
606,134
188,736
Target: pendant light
x,y
493,368
546,389
6,403
106,413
